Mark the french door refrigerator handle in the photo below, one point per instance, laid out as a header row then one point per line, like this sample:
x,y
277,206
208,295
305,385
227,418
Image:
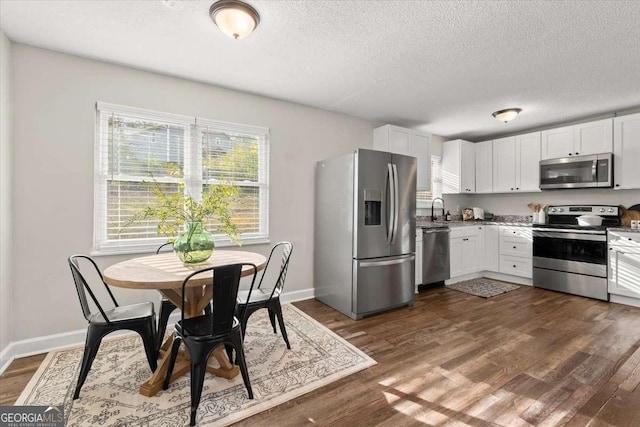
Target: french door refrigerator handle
x,y
392,205
388,262
396,203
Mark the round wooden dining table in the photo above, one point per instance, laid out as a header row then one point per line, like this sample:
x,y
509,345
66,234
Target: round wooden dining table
x,y
165,273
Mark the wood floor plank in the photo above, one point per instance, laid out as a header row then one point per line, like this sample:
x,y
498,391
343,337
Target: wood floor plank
x,y
525,358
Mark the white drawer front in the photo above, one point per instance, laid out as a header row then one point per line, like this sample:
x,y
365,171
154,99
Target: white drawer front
x,y
468,231
516,246
522,232
516,266
625,241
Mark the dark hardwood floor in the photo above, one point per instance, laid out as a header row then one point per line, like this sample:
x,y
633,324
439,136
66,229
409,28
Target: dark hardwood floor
x,y
528,357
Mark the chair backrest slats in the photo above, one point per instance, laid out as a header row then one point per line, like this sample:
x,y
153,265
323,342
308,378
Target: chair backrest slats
x,y
82,287
226,282
287,249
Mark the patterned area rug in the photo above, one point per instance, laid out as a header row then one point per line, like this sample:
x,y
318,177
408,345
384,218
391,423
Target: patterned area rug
x,y
482,287
110,395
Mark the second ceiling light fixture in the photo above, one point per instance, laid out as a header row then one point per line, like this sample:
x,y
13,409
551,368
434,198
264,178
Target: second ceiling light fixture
x,y
235,18
506,115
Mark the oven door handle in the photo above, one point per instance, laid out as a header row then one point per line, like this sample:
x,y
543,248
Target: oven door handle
x,y
574,235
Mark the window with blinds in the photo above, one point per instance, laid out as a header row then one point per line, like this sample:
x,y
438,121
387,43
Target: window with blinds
x,y
182,154
424,198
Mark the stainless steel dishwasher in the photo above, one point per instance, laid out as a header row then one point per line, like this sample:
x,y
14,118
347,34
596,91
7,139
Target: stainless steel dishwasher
x,y
435,255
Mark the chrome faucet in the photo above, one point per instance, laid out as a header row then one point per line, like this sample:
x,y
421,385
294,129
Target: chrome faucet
x,y
433,202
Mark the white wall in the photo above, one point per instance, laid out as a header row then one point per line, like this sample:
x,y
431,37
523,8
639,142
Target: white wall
x,y
54,115
5,193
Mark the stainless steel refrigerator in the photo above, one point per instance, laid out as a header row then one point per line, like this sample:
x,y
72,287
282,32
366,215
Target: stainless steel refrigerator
x,y
365,221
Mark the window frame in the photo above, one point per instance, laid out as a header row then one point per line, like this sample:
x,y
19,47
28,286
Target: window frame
x,y
193,180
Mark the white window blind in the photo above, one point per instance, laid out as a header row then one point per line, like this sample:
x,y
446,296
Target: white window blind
x,y
134,147
424,198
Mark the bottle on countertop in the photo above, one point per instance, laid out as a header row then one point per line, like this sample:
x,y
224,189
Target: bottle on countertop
x,y
447,216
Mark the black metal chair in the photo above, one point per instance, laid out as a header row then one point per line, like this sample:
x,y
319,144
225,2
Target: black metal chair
x,y
255,299
139,318
166,308
202,334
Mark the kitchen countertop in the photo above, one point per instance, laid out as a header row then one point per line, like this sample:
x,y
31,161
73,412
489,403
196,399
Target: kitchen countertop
x,y
473,223
470,223
625,229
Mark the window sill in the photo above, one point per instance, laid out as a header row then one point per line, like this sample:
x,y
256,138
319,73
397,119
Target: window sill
x,y
151,248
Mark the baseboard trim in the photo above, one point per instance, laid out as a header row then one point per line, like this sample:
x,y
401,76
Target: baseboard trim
x,y
44,344
621,299
6,357
508,278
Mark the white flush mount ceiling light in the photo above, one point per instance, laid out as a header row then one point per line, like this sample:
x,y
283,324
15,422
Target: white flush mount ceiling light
x,y
506,115
235,18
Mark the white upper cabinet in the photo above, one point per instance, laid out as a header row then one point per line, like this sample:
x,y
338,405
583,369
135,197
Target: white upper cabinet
x,y
504,165
458,167
557,142
516,163
626,151
484,167
594,137
409,142
468,164
528,162
422,151
578,140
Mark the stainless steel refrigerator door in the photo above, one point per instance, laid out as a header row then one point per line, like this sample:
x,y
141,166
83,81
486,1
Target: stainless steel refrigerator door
x,y
382,284
373,205
405,170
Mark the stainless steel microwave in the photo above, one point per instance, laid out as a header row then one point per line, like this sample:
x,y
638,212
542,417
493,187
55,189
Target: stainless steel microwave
x,y
577,172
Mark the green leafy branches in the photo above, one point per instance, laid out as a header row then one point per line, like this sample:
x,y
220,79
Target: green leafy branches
x,y
173,210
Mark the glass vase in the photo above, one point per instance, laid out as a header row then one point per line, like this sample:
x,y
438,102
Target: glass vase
x,y
195,245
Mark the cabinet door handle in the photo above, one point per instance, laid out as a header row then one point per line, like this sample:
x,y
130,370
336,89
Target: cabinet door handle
x,y
464,240
577,154
517,188
514,266
514,247
570,154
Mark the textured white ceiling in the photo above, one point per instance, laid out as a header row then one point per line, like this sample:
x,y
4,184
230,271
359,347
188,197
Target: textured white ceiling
x,y
439,66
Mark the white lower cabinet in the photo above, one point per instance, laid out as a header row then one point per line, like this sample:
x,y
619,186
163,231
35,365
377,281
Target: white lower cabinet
x,y
516,266
516,251
466,250
492,248
624,264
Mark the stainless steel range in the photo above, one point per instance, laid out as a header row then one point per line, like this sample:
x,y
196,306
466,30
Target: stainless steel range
x,y
571,258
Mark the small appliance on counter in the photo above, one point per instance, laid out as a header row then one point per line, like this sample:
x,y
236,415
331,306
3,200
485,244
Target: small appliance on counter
x,y
478,213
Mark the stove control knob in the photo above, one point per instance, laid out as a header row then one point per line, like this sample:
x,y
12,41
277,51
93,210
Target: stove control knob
x,y
611,210
561,210
601,209
553,209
